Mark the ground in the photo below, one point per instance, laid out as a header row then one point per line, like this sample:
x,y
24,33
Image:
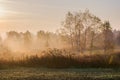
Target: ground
x,y
59,74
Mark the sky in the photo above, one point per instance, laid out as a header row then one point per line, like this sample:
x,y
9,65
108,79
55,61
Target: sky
x,y
35,15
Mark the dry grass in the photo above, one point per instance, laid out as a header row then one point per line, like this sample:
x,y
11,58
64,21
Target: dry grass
x,y
55,58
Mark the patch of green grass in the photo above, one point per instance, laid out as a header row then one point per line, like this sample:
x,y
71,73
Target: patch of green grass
x,y
59,74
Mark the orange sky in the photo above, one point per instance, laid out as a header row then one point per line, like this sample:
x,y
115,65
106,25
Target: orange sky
x,y
34,15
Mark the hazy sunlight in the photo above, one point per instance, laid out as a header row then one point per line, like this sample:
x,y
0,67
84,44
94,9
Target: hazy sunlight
x,y
2,11
59,39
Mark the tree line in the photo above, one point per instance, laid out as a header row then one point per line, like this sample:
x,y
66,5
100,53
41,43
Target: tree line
x,y
80,32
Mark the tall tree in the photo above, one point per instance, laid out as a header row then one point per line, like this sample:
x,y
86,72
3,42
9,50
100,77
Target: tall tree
x,y
77,26
108,41
68,27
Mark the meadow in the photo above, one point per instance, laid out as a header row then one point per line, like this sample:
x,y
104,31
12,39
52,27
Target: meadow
x,y
61,64
85,48
23,73
56,64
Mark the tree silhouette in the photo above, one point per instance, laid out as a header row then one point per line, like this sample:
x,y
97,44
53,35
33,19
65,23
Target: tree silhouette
x,y
108,42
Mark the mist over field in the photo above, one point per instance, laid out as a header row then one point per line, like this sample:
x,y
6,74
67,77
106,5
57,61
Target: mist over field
x,y
81,33
59,40
21,44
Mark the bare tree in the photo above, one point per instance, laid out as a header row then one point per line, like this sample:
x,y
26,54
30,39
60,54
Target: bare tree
x,y
68,27
77,26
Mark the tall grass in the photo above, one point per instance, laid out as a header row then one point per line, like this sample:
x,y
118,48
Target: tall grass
x,y
55,58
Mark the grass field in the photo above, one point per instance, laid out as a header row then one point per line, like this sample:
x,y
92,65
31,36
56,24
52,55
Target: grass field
x,y
62,65
59,74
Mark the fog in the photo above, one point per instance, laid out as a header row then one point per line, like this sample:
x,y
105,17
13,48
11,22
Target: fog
x,y
20,44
